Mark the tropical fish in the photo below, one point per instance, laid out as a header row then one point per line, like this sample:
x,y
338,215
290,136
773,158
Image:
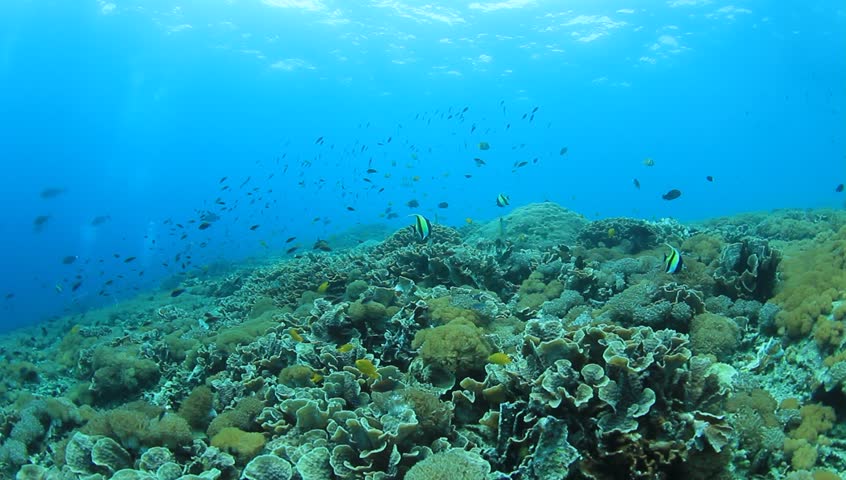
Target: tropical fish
x,y
443,205
290,239
323,287
672,194
563,151
413,203
673,262
99,220
204,225
479,162
346,347
129,259
39,222
502,200
253,227
499,358
484,146
839,188
709,178
295,335
649,162
177,292
366,367
52,192
637,183
69,259
422,226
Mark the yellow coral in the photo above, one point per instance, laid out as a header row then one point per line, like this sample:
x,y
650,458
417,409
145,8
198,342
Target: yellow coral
x,y
811,282
243,445
458,347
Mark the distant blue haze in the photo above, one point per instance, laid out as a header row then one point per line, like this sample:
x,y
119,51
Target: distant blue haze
x,y
138,108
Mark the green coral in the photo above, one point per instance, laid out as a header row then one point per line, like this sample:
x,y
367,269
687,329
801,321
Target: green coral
x,y
534,291
120,373
197,407
243,445
242,416
442,311
454,464
712,334
811,282
458,347
366,312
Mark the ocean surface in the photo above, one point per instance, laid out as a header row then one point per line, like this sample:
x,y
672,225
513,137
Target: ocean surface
x,y
225,190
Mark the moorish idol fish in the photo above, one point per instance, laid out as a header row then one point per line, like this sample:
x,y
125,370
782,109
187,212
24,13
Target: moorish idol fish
x,y
501,200
422,226
673,262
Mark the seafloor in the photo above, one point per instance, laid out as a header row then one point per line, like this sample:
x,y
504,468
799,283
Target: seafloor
x,y
538,346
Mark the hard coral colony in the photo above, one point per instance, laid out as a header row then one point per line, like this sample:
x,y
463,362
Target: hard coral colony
x,y
559,351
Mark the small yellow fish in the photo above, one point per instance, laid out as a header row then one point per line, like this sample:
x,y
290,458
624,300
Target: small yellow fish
x,y
323,287
316,377
612,232
499,358
469,221
416,178
346,347
366,367
649,162
296,335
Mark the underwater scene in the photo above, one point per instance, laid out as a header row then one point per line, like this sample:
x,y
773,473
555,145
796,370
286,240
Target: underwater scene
x,y
423,240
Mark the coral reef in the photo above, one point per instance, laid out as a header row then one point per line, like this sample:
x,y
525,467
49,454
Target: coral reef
x,y
536,346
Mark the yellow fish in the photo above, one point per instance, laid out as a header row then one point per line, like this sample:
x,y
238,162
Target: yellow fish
x,y
346,347
499,358
649,162
296,335
366,367
323,287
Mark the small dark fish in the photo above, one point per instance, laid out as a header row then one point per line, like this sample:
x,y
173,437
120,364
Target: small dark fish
x,y
839,188
99,220
479,162
321,245
521,164
76,286
39,222
563,151
223,179
413,203
443,205
467,175
129,259
204,225
535,109
351,209
291,250
290,239
484,146
177,292
69,259
709,178
254,227
52,192
10,296
636,183
318,141
371,170
393,215
672,194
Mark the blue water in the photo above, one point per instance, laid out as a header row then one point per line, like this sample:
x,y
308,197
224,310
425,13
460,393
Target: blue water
x,y
136,109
